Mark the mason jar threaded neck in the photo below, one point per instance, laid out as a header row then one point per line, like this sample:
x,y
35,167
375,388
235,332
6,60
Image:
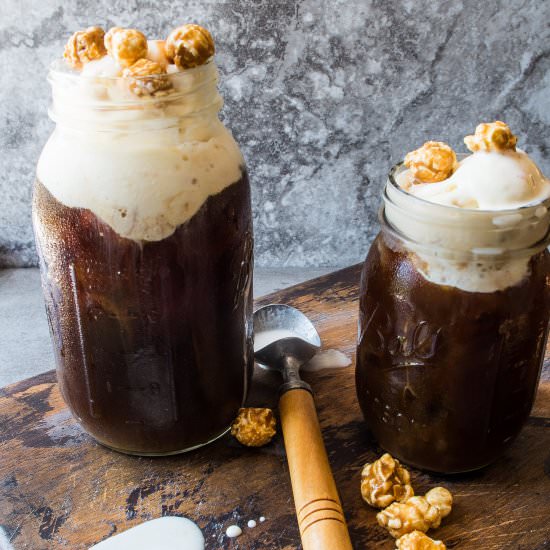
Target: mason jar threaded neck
x,y
107,103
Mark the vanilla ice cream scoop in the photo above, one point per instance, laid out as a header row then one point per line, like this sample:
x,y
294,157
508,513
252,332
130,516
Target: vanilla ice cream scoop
x,y
486,180
104,67
491,180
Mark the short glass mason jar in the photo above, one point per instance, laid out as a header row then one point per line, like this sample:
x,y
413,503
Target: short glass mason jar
x,y
453,323
143,226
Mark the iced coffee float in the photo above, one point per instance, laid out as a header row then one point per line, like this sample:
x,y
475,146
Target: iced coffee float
x,y
489,204
143,227
455,302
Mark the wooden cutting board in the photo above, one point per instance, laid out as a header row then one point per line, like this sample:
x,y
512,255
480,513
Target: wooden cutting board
x,y
59,489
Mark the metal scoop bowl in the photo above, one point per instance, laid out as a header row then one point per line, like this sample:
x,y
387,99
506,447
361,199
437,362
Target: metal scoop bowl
x,y
296,342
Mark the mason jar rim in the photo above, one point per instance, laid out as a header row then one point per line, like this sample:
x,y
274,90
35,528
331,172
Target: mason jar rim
x,y
79,99
450,208
58,67
443,230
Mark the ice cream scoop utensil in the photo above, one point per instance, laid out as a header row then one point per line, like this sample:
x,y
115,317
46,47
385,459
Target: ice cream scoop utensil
x,y
284,339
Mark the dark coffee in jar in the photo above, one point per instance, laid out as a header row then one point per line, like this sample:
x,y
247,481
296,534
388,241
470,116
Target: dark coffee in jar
x,y
455,303
143,227
149,338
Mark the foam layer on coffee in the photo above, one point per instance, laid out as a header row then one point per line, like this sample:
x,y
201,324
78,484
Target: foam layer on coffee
x,y
473,230
142,165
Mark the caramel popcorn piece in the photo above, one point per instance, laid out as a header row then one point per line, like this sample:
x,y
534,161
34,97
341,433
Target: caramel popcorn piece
x,y
126,46
492,136
384,481
415,514
147,77
189,46
254,427
418,541
85,46
108,40
441,498
434,161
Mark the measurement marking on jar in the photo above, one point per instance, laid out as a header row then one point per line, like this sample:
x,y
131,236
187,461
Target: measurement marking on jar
x,y
72,274
407,364
368,323
168,299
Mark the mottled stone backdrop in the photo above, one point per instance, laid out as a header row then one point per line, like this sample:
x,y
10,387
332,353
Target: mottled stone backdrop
x,y
323,96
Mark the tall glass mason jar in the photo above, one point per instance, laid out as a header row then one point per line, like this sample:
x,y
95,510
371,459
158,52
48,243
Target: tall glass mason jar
x,y
453,323
142,221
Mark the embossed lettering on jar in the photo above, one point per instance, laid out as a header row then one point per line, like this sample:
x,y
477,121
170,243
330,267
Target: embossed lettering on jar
x,y
143,226
454,314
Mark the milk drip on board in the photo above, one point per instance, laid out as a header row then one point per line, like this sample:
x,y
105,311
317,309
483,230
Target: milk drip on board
x,y
168,533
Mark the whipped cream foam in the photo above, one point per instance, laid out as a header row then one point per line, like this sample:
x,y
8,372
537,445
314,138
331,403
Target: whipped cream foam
x,y
477,229
142,165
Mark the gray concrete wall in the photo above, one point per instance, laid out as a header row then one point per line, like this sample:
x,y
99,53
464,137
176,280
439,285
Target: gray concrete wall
x,y
322,95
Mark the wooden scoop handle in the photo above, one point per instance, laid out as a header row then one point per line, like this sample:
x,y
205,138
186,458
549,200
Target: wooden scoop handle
x,y
318,508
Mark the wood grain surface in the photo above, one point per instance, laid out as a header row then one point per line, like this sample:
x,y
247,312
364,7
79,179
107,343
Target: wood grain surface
x,y
59,489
